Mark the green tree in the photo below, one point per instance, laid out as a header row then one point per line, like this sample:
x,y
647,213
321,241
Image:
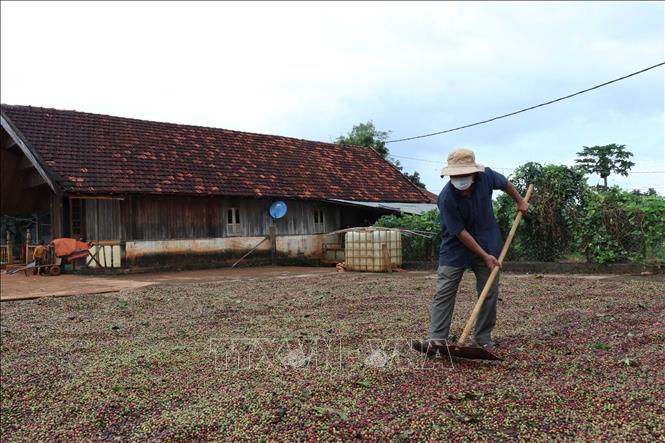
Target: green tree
x,y
365,134
603,160
649,192
414,178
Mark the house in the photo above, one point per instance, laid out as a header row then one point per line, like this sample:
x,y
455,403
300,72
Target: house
x,y
170,195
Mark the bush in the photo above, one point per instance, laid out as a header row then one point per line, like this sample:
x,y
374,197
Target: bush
x,y
565,218
620,226
416,247
548,230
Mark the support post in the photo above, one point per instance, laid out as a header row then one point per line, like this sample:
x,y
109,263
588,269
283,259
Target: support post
x,y
273,244
386,258
57,230
28,240
10,248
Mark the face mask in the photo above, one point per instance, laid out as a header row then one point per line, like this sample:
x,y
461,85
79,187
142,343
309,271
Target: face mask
x,y
462,183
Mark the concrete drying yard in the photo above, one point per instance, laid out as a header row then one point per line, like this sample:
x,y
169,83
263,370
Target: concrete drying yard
x,y
21,287
324,356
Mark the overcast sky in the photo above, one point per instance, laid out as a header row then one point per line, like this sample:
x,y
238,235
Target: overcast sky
x,y
313,70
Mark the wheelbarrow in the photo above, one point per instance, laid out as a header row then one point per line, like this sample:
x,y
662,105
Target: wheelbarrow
x,y
70,249
24,269
35,265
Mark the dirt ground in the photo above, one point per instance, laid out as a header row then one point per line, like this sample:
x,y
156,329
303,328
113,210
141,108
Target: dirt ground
x,y
21,287
326,357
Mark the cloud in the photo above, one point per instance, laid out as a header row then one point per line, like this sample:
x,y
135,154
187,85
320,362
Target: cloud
x,y
313,70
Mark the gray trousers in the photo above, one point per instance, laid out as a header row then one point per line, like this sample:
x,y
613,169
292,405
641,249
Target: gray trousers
x,y
443,303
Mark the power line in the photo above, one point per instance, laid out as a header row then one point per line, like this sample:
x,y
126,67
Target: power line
x,y
525,109
507,168
418,159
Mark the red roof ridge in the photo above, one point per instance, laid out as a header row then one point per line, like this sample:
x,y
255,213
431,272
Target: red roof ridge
x,y
182,125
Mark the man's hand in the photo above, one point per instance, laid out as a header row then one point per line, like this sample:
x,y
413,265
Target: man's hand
x,y
491,261
522,206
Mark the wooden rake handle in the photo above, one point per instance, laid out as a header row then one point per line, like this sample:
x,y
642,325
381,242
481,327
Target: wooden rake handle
x,y
483,295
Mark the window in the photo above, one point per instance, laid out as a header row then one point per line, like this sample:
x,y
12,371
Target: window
x,y
233,221
76,218
319,225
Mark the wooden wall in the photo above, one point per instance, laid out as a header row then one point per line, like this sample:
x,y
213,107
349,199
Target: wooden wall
x,y
102,219
146,217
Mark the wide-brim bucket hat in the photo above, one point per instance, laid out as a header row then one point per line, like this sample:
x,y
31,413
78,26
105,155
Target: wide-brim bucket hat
x,y
462,162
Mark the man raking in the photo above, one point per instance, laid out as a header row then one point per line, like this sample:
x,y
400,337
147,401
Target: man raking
x,y
470,238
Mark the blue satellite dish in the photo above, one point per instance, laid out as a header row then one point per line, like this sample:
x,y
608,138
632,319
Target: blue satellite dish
x,y
278,209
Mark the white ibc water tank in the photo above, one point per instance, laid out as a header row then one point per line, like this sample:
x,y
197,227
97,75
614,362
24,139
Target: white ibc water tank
x,y
363,249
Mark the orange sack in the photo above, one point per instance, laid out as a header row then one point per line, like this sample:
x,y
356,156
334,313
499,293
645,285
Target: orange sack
x,y
71,248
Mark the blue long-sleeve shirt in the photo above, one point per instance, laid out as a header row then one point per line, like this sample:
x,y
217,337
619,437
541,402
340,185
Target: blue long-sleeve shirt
x,y
472,213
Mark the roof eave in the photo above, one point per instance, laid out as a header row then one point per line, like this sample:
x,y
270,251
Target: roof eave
x,y
32,155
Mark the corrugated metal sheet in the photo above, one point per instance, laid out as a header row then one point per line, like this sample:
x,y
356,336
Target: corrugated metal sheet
x,y
399,207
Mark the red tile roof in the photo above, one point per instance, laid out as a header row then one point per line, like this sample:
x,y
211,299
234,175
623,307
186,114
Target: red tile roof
x,y
100,154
